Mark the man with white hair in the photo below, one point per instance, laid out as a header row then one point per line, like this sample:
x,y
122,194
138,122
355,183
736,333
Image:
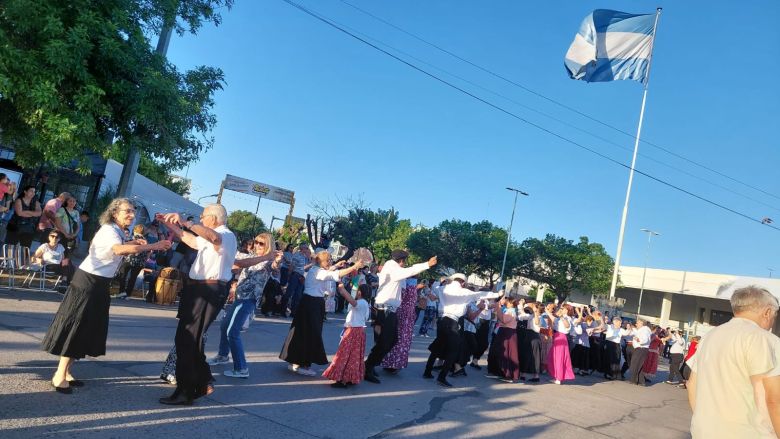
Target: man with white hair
x,y
204,296
729,363
454,298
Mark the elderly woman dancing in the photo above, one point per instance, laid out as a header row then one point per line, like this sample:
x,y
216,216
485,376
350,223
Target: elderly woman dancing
x,y
80,327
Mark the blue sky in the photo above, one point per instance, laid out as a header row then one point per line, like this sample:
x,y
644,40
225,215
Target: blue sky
x,y
310,109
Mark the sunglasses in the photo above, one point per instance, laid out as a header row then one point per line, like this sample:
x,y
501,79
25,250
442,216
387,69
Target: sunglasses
x,y
260,243
54,236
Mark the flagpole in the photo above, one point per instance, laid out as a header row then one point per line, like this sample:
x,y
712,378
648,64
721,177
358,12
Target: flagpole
x,y
633,164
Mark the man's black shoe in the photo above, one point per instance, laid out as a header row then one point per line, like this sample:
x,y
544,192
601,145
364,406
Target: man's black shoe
x,y
443,383
371,378
427,375
459,373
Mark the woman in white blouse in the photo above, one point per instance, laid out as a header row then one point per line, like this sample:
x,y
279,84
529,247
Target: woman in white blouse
x,y
303,346
80,327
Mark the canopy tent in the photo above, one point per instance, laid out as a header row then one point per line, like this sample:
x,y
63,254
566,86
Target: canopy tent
x,y
726,289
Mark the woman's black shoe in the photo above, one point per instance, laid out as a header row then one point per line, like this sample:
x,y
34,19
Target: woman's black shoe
x,y
443,383
76,383
459,373
63,390
176,399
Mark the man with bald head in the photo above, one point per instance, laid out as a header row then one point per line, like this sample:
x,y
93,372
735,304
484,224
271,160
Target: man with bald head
x,y
202,299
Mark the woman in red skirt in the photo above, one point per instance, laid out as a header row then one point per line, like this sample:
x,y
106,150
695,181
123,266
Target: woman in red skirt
x,y
348,367
503,360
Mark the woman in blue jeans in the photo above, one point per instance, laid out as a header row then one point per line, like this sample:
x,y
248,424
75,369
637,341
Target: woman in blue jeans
x,y
257,269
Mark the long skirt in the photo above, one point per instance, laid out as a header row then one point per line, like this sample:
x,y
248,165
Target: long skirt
x,y
580,357
558,359
612,359
80,327
596,352
651,363
398,357
546,345
504,357
303,345
348,365
531,352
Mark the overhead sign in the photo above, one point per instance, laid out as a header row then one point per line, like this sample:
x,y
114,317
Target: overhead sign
x,y
258,189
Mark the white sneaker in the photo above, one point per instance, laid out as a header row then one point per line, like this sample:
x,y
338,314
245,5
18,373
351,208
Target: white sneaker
x,y
556,382
243,373
218,360
305,371
171,378
292,367
121,295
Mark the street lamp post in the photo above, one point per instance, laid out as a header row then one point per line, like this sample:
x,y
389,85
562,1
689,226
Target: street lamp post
x,y
650,234
273,218
509,232
771,270
207,196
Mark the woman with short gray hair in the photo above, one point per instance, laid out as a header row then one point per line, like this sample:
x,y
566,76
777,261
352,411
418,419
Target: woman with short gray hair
x,y
80,327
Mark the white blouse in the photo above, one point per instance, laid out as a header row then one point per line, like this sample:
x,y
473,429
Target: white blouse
x,y
317,283
560,327
101,259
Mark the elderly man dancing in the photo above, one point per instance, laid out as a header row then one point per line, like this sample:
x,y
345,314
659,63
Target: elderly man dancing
x,y
202,298
454,298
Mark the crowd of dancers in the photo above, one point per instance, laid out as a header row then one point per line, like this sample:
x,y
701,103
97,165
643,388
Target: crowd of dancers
x,y
523,340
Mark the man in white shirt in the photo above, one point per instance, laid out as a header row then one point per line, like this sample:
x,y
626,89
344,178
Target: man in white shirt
x,y
730,360
676,347
204,296
454,298
392,279
641,343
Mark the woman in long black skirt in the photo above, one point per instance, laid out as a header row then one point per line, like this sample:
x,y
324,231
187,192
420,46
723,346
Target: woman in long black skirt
x,y
303,346
80,327
531,348
614,333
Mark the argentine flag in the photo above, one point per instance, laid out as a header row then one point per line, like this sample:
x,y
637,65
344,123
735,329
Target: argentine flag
x,y
612,45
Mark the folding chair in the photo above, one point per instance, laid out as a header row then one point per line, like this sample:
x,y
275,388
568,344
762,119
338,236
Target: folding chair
x,y
8,263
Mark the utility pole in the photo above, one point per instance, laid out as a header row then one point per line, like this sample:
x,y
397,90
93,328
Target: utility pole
x,y
509,231
650,235
130,167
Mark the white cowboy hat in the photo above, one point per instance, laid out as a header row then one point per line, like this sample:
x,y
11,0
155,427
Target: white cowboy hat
x,y
458,276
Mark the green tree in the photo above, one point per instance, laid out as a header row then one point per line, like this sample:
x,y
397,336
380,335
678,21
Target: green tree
x,y
245,224
564,266
71,72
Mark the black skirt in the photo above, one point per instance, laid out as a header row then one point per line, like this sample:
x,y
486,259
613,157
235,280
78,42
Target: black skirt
x,y
303,345
80,327
531,352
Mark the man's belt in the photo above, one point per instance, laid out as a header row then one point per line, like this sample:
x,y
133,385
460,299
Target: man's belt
x,y
209,282
385,308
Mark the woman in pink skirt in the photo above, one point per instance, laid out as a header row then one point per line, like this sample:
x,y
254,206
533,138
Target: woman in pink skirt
x,y
558,359
347,367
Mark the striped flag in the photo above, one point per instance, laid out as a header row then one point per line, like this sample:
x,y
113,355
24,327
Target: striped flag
x,y
612,45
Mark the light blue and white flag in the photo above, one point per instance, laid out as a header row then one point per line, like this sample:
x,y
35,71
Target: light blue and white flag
x,y
612,45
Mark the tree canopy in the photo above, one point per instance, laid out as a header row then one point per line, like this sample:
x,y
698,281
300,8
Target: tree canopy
x,y
564,266
245,224
71,72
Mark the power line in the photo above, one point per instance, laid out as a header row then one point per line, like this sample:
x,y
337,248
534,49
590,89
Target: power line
x,y
558,103
551,117
513,115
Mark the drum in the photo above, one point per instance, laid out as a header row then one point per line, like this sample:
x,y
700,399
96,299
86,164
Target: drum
x,y
167,286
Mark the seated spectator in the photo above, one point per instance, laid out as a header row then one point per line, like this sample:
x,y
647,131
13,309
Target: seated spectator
x,y
52,255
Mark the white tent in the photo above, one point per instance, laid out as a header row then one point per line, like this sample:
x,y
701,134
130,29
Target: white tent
x,y
726,289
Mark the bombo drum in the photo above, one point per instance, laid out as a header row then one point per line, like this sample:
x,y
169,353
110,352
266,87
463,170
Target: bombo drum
x,y
167,286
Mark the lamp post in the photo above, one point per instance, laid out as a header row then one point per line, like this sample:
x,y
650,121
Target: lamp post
x,y
509,232
771,270
207,196
650,235
273,218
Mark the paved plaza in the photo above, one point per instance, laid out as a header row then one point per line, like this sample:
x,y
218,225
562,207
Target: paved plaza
x,y
122,388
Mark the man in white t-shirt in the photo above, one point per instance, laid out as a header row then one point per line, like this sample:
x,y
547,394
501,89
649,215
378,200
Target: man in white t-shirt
x,y
730,360
203,297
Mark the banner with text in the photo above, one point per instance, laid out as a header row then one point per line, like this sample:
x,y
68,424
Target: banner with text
x,y
261,190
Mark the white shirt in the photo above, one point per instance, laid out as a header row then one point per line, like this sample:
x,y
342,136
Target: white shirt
x,y
522,315
642,337
212,263
724,362
51,255
454,299
392,282
560,327
101,259
317,283
615,334
357,315
678,344
628,335
581,334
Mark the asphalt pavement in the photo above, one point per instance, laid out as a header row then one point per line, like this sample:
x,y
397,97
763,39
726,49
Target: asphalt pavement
x,y
122,389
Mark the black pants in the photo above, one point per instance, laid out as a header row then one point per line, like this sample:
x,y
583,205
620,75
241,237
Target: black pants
x,y
675,362
198,308
126,276
628,352
637,361
387,322
446,346
271,290
469,347
482,339
63,270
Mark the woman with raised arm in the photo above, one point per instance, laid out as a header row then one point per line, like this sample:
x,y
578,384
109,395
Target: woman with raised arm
x,y
303,346
80,327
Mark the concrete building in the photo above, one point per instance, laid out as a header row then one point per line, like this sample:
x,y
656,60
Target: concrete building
x,y
692,301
